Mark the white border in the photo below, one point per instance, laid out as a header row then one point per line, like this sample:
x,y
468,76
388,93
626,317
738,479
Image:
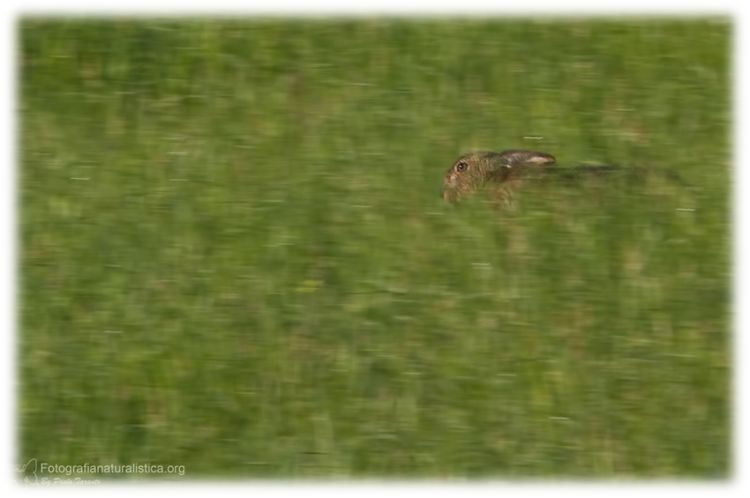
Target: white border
x,y
738,484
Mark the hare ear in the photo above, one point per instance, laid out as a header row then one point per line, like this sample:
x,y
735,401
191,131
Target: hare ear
x,y
511,158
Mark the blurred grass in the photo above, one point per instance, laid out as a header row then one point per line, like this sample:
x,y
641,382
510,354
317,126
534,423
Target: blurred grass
x,y
235,257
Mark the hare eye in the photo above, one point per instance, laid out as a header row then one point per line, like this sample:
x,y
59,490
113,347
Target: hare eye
x,y
461,166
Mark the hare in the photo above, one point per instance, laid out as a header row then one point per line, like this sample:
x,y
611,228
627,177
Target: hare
x,y
500,172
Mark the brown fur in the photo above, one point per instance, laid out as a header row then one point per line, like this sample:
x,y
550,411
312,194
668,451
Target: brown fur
x,y
503,172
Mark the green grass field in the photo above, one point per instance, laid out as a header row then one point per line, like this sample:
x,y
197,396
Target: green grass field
x,y
234,254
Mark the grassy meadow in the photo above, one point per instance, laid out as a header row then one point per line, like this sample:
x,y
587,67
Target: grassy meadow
x,y
234,255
